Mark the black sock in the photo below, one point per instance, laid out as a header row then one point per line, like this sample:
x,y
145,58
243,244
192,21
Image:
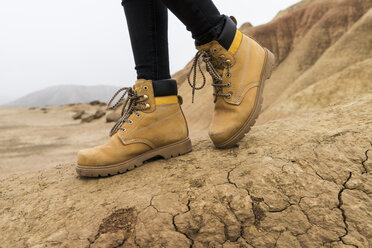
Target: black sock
x,y
223,32
227,34
165,87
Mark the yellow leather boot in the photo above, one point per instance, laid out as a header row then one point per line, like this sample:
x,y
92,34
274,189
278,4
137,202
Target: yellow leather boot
x,y
149,127
238,74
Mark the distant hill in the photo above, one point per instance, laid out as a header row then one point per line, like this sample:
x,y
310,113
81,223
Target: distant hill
x,y
65,94
5,98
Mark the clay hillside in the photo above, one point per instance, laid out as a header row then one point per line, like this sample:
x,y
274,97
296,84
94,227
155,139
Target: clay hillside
x,y
302,177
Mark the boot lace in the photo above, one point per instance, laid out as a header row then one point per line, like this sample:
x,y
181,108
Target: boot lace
x,y
212,65
132,102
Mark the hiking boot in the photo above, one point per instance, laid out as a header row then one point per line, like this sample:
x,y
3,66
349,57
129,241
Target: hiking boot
x,y
149,127
238,74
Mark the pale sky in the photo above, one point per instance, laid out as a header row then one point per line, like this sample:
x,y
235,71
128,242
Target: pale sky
x,y
86,42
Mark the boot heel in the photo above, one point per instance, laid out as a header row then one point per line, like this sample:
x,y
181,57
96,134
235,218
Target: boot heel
x,y
176,149
270,64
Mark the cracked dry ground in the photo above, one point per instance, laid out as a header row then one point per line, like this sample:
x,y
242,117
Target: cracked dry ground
x,y
304,181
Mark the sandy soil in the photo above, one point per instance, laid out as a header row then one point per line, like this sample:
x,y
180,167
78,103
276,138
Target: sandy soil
x,y
31,139
302,177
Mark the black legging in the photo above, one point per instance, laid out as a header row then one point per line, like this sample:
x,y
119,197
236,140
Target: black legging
x,y
148,28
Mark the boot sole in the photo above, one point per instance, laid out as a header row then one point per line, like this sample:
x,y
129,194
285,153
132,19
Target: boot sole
x,y
166,152
268,67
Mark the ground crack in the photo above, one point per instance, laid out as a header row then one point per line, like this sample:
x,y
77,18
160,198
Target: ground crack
x,y
176,227
228,177
173,218
241,233
276,240
339,206
258,212
365,160
237,219
153,206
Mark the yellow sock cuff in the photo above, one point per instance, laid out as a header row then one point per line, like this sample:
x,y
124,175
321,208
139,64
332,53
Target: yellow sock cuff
x,y
236,42
166,100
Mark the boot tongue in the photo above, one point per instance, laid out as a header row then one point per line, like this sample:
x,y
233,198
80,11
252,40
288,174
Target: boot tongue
x,y
205,47
208,48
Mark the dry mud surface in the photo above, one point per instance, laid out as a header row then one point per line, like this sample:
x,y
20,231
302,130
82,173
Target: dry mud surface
x,y
303,181
300,178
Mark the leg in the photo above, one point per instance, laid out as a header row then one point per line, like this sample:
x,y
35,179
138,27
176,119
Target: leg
x,y
238,65
152,123
148,28
203,19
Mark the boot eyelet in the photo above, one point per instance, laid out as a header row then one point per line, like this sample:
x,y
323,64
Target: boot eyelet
x,y
130,121
138,115
228,84
228,61
123,129
147,106
214,50
145,87
228,75
145,96
228,96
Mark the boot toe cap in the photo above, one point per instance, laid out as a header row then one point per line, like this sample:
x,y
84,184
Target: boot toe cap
x,y
87,157
221,135
217,138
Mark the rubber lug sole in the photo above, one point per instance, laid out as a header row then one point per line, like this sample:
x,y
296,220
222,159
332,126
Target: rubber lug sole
x,y
166,152
268,67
